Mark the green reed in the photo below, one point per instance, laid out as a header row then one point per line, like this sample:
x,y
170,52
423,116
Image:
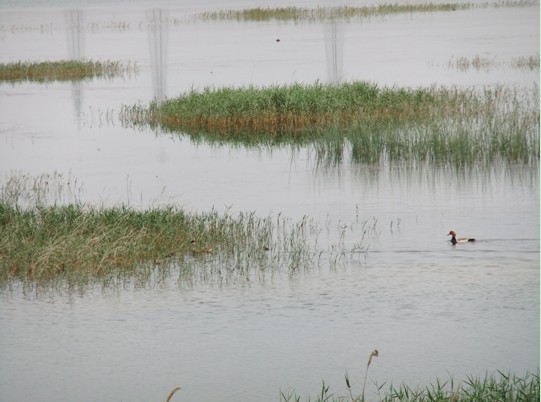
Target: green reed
x,y
48,236
293,109
359,121
75,242
64,70
348,12
500,386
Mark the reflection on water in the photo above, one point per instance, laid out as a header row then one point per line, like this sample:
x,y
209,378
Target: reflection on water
x,y
75,35
157,43
334,48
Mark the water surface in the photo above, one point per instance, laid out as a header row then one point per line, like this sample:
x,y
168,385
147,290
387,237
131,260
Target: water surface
x,y
430,308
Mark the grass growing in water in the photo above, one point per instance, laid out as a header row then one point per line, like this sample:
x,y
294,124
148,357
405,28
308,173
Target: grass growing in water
x,y
75,244
485,63
437,124
63,70
296,108
502,386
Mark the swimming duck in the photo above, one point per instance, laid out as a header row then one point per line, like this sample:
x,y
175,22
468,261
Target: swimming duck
x,y
454,240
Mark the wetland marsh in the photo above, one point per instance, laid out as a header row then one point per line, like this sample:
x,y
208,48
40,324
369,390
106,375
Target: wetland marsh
x,y
319,234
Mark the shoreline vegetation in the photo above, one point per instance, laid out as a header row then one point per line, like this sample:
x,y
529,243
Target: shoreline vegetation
x,y
500,386
64,70
439,124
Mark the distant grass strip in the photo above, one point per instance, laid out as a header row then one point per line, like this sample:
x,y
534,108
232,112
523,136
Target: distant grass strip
x,y
348,12
486,63
327,13
63,70
502,387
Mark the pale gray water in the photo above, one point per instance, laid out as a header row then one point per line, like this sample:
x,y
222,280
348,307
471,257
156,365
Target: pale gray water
x,y
430,308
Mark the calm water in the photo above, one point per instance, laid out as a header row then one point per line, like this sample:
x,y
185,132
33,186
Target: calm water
x,y
429,308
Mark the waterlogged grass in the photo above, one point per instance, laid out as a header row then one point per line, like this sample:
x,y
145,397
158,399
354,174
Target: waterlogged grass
x,y
43,243
347,12
78,243
504,387
294,109
25,190
360,119
63,70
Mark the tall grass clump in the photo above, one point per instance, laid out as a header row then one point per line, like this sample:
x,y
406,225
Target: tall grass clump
x,y
360,121
63,70
43,242
290,109
500,386
46,237
79,243
500,124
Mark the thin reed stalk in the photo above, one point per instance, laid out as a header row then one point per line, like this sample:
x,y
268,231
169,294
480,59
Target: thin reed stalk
x,y
172,393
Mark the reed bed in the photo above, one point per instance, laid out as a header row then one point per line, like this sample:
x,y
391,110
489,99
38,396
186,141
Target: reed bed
x,y
79,243
298,14
43,243
64,70
438,124
293,109
499,386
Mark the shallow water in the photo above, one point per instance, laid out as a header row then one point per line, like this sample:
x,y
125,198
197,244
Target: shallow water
x,y
430,308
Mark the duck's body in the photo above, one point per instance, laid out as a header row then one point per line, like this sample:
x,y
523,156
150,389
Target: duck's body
x,y
456,240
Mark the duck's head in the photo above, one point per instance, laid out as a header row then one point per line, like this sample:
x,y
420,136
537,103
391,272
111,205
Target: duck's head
x,y
451,233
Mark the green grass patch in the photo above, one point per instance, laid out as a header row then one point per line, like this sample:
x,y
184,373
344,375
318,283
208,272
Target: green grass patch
x,y
366,121
63,70
296,108
347,12
500,386
48,237
78,244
